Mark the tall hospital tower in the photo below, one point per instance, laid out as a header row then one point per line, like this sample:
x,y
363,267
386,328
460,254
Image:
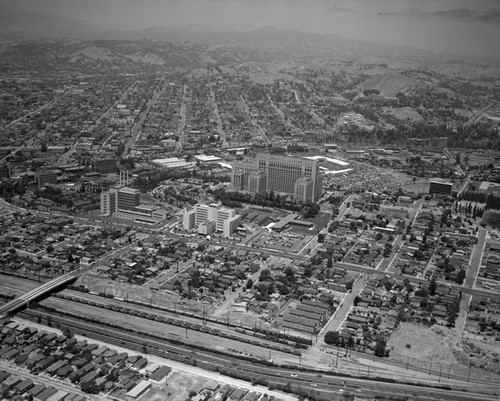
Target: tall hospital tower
x,y
283,174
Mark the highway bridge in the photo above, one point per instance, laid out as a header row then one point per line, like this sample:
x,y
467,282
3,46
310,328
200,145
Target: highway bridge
x,y
37,292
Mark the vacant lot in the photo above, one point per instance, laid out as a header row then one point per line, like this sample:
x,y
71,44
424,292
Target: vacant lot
x,y
425,342
178,388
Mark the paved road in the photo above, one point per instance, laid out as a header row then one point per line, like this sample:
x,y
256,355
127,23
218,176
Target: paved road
x,y
254,122
136,129
221,132
343,310
470,280
182,121
44,379
475,260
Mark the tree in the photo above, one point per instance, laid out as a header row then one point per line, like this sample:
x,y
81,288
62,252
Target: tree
x,y
332,337
249,284
67,332
432,286
329,262
348,285
380,350
264,274
460,276
321,238
290,274
90,387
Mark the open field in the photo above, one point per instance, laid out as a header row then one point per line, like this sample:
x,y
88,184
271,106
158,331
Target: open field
x,y
390,84
405,113
177,387
425,342
440,350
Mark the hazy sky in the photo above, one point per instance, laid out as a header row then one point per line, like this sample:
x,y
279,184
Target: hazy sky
x,y
385,21
310,15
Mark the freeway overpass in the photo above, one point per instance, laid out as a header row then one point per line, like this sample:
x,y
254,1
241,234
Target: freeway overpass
x,y
37,292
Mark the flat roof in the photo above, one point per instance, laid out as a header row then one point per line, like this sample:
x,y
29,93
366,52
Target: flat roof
x,y
207,158
129,190
169,160
137,390
338,171
149,208
328,159
227,165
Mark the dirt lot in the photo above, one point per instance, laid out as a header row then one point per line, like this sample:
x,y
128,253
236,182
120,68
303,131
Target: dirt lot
x,y
141,294
441,349
421,185
177,388
425,344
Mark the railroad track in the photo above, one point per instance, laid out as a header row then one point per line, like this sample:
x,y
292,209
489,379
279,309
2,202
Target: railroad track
x,y
239,345
254,371
99,306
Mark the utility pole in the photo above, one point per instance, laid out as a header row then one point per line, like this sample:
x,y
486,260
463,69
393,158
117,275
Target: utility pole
x,y
440,369
407,363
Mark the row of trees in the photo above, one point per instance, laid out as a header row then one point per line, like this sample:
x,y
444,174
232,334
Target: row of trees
x,y
271,200
334,338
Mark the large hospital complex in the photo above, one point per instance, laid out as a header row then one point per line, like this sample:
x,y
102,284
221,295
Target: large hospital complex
x,y
297,177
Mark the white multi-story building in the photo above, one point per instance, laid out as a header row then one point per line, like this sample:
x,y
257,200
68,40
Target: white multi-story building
x,y
207,219
189,220
124,203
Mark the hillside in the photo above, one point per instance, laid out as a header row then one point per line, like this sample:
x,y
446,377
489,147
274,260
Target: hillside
x,y
389,84
104,54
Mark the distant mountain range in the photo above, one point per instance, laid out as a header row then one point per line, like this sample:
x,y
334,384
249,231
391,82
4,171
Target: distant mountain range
x,y
19,23
442,38
462,14
263,38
